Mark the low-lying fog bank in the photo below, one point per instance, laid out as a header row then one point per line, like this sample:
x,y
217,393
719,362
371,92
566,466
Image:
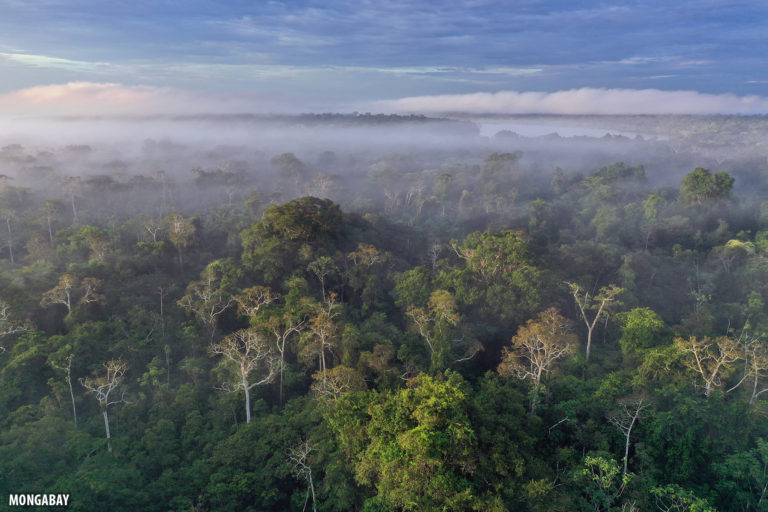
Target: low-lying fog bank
x,y
358,160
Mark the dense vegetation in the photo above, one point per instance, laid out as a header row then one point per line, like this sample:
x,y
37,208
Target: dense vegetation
x,y
478,336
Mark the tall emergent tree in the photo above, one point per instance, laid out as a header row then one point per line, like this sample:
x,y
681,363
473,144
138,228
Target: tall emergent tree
x,y
298,458
536,347
600,304
103,386
710,358
245,352
435,325
322,334
181,232
208,298
8,325
625,419
282,327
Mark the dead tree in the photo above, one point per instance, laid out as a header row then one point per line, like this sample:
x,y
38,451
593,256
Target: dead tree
x,y
300,466
103,387
599,304
152,227
282,328
624,420
245,352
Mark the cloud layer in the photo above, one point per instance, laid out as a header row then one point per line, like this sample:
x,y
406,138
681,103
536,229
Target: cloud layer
x,y
582,101
109,99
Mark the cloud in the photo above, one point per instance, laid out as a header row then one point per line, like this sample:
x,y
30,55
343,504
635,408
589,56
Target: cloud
x,y
79,98
582,101
108,99
43,61
105,99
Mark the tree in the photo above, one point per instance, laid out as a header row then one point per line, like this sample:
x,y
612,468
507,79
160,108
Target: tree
x,y
90,286
72,187
181,232
417,447
8,325
322,334
673,498
710,358
493,255
61,293
536,347
290,236
701,186
303,219
498,278
321,185
282,327
152,228
246,352
298,458
290,168
58,364
11,201
337,381
251,300
323,267
756,353
207,299
49,210
69,287
600,304
435,324
641,329
9,216
601,481
103,386
624,420
98,242
652,208
440,190
744,477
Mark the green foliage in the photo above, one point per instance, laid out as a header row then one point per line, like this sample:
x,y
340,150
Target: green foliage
x,y
496,276
601,481
291,236
641,329
620,171
701,186
674,497
418,450
399,301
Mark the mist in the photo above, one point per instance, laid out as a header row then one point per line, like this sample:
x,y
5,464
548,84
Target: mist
x,y
123,164
583,101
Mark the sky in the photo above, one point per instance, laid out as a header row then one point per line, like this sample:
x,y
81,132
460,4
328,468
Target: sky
x,y
553,56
